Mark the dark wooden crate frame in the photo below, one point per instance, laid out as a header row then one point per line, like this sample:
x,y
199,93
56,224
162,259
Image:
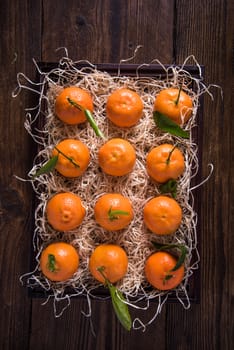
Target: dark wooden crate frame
x,y
154,71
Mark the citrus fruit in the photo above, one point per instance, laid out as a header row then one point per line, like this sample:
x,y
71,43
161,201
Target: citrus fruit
x,y
124,107
162,215
158,271
65,211
59,261
166,103
112,259
68,113
73,157
165,162
117,157
113,211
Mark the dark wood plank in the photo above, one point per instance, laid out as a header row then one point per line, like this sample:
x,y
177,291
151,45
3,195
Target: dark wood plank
x,y
108,31
74,331
20,41
207,32
154,332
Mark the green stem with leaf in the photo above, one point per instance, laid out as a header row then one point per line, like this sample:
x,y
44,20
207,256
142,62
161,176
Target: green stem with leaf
x,y
88,116
51,164
118,302
113,214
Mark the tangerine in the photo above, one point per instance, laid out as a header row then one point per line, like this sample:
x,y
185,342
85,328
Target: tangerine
x,y
162,215
112,259
59,261
124,107
167,103
65,211
68,113
113,211
73,157
165,162
159,271
117,157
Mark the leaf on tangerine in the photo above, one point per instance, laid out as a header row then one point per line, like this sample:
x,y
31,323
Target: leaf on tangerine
x,y
166,124
47,167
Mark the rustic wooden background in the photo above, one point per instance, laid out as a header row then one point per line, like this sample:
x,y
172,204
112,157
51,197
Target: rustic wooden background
x,y
107,31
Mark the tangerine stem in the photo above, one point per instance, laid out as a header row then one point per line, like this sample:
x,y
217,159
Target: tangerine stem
x,y
69,158
178,97
169,155
101,269
113,214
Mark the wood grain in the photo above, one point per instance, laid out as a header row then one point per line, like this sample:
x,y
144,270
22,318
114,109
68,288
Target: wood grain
x,y
108,31
101,331
210,324
20,41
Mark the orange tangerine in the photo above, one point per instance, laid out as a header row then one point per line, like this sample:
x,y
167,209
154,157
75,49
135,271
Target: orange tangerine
x,y
59,261
158,271
112,259
73,157
124,107
65,211
162,215
117,157
167,103
165,162
68,113
113,211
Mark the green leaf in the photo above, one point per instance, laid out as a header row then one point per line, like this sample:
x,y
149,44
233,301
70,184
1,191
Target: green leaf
x,y
88,116
181,247
120,307
47,167
118,302
158,245
169,187
93,124
181,259
166,124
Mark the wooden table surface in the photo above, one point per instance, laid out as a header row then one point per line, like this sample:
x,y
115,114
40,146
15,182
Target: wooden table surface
x,y
107,31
